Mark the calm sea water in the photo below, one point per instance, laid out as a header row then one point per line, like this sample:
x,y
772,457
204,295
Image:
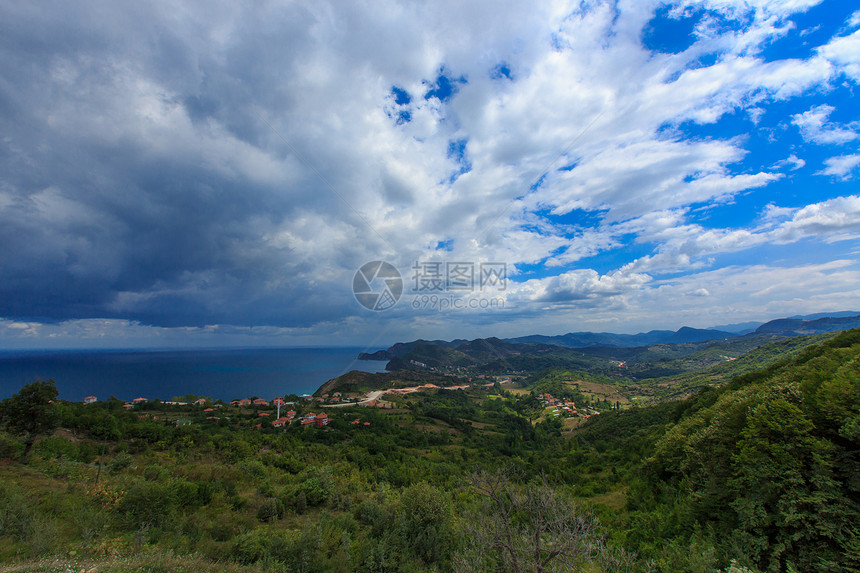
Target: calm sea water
x,y
222,373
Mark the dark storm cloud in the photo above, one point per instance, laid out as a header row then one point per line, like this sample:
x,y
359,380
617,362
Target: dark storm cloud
x,y
104,213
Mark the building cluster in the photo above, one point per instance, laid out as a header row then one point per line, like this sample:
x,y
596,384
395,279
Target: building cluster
x,y
258,402
127,405
135,402
565,407
560,406
336,398
309,419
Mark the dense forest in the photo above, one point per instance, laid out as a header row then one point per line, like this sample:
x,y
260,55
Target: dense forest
x,y
756,471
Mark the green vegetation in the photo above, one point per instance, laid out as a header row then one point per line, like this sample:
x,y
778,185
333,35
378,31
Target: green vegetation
x,y
31,412
650,373
722,361
756,472
763,470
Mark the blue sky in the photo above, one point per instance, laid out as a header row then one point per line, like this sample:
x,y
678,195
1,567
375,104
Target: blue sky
x,y
200,174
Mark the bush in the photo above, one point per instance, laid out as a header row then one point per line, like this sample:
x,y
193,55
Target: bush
x,y
57,448
272,509
315,490
148,504
424,516
261,544
121,461
16,517
10,448
253,468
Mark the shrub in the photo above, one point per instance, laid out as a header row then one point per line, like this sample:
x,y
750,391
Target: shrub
x,y
315,490
271,509
148,504
10,448
253,468
58,448
121,461
261,544
16,517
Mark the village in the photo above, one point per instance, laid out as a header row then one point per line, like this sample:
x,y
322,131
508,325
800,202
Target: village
x,y
565,408
267,418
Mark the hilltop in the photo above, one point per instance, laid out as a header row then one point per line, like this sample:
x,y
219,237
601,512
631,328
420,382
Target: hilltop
x,y
785,327
671,365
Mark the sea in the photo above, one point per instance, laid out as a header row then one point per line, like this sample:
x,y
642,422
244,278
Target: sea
x,y
217,373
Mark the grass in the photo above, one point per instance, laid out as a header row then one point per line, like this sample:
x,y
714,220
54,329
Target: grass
x,y
144,562
614,499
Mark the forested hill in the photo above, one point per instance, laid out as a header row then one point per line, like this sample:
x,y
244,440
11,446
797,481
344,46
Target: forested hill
x,y
650,373
785,327
766,467
590,351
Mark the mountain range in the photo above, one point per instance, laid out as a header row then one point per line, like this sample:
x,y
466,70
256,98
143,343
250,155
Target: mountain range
x,y
782,327
792,326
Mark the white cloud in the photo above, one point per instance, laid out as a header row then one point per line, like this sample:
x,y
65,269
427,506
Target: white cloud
x,y
844,52
834,217
683,247
587,243
793,162
814,126
752,292
579,287
637,178
840,166
773,214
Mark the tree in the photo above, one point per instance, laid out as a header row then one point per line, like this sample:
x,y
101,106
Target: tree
x,y
31,412
788,504
527,528
424,515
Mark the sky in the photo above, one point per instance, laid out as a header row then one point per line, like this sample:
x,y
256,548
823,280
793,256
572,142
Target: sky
x,y
207,174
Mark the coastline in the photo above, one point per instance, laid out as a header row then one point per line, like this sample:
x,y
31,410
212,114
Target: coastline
x,y
224,373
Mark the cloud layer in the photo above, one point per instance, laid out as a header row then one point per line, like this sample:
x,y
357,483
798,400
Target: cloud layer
x,y
206,169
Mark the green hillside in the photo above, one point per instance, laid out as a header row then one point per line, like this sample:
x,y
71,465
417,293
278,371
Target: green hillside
x,y
718,363
757,475
764,469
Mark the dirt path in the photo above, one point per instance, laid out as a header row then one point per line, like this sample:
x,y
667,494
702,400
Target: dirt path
x,y
370,398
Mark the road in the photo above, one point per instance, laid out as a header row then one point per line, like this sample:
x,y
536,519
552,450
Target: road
x,y
370,398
